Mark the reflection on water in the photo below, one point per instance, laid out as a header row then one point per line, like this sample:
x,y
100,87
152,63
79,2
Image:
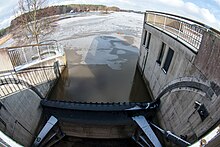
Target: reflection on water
x,y
105,72
139,91
98,83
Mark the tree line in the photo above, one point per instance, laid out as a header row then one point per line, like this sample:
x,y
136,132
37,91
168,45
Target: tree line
x,y
62,9
34,19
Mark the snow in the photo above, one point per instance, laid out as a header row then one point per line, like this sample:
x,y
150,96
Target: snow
x,y
100,38
120,52
8,43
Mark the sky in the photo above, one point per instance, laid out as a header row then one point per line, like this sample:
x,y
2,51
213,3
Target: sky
x,y
205,11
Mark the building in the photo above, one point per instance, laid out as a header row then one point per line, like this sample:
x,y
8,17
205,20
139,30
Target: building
x,y
180,62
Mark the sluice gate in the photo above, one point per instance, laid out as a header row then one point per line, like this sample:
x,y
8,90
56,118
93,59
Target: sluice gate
x,y
100,121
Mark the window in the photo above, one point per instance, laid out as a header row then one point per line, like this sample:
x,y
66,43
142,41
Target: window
x,y
145,36
168,60
160,57
148,41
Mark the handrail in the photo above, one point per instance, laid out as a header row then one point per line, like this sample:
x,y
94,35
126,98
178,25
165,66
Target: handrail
x,y
26,69
30,45
40,44
187,30
188,19
33,53
14,81
51,40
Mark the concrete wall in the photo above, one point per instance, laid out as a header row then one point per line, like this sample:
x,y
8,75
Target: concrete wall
x,y
62,62
177,112
21,112
153,71
5,63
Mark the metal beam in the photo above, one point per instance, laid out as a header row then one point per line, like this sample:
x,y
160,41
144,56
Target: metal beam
x,y
146,143
46,129
144,125
172,137
139,143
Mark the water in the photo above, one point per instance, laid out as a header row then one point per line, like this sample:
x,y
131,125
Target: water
x,y
103,72
102,54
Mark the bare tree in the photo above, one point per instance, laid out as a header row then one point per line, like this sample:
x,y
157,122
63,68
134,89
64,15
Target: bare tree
x,y
31,18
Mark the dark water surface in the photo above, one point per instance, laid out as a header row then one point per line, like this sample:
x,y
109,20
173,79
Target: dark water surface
x,y
101,67
100,82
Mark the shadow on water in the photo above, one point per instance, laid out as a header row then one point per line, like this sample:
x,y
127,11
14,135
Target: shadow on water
x,y
139,91
106,72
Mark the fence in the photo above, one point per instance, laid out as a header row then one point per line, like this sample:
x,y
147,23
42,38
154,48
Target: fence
x,y
11,81
22,55
188,30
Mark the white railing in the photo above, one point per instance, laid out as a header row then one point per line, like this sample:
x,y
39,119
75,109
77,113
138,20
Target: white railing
x,y
189,31
15,81
23,55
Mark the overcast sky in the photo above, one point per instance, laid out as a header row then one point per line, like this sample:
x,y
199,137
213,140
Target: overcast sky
x,y
206,11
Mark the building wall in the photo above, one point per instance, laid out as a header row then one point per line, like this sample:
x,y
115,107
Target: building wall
x,y
153,71
20,113
200,70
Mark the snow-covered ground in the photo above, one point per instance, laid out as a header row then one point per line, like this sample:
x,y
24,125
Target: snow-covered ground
x,y
88,34
7,43
118,22
102,51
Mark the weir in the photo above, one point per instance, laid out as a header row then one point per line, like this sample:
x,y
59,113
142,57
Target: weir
x,y
66,98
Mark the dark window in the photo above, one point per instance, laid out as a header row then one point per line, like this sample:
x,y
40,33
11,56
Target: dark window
x,y
168,60
148,41
145,36
160,57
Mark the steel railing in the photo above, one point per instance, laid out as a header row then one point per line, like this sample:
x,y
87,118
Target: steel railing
x,y
22,55
16,81
189,31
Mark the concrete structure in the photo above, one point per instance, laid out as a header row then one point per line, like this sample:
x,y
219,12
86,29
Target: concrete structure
x,y
22,87
179,60
173,57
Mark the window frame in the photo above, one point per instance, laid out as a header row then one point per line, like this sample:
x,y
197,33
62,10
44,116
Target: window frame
x,y
168,60
148,40
161,53
145,38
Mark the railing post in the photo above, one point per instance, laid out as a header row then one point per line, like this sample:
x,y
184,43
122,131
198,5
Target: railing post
x,y
165,21
179,29
57,47
48,50
154,18
25,58
38,50
146,18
